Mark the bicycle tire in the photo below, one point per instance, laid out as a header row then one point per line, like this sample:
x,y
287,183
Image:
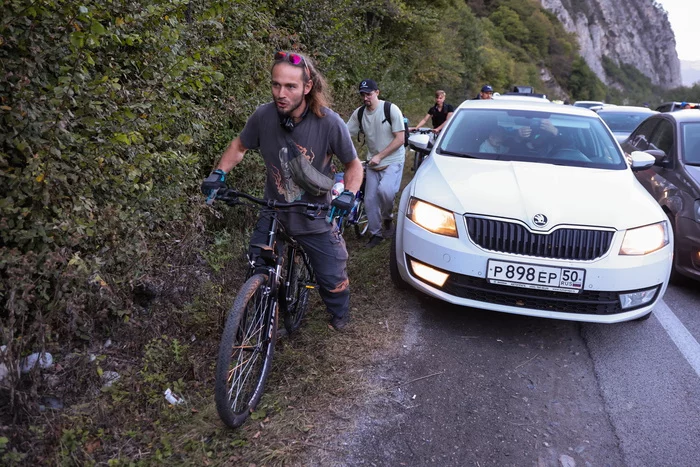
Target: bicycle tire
x,y
245,352
362,223
298,294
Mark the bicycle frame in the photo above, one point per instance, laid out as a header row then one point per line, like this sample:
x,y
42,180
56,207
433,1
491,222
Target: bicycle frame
x,y
271,252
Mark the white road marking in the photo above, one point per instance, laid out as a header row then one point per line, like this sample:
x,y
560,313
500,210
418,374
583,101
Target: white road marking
x,y
679,334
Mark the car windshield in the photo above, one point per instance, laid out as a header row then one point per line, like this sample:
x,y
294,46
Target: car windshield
x,y
623,121
691,143
532,136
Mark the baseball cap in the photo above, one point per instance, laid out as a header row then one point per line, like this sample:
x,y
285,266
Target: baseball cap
x,y
368,85
486,88
683,104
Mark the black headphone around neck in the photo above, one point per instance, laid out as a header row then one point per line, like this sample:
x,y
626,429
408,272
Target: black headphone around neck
x,y
288,122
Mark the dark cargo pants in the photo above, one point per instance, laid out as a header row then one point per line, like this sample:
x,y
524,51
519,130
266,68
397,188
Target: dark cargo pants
x,y
328,256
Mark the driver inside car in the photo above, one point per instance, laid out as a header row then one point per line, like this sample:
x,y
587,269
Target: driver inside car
x,y
539,136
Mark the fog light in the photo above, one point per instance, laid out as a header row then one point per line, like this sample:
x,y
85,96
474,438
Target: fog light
x,y
636,299
429,274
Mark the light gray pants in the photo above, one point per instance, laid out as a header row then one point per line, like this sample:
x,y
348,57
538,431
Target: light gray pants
x,y
381,187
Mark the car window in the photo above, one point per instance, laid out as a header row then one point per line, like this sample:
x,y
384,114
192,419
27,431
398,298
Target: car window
x,y
640,137
533,136
662,137
623,122
691,143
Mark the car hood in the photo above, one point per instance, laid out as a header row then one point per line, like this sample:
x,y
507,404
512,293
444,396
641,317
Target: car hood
x,y
520,190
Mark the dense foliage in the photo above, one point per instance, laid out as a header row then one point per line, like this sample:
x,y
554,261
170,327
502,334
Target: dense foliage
x,y
111,112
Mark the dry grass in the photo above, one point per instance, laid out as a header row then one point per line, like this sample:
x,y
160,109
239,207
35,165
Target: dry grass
x,y
320,378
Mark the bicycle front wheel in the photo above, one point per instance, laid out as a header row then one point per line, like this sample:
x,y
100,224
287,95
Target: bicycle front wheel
x,y
245,352
361,223
300,285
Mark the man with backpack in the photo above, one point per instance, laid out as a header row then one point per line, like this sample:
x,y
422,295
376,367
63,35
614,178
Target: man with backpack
x,y
380,125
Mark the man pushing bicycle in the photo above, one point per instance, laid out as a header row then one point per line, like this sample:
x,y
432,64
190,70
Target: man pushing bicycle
x,y
297,134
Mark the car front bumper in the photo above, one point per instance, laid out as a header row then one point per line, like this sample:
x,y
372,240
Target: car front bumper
x,y
466,264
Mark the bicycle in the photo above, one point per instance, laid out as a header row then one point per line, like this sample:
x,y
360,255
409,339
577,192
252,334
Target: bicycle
x,y
276,279
419,154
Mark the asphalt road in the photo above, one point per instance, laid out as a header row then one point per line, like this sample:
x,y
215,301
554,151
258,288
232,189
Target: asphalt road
x,y
477,388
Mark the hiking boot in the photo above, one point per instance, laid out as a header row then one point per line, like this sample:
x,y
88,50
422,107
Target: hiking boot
x,y
374,241
340,322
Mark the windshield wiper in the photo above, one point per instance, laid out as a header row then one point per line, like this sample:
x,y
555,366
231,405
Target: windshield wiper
x,y
458,154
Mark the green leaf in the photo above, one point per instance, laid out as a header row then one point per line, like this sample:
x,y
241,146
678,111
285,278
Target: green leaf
x,y
121,138
77,39
97,28
185,139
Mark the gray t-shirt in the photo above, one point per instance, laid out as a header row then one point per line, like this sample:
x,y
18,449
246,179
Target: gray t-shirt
x,y
316,138
378,133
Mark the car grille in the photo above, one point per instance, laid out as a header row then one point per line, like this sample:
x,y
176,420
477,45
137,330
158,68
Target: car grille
x,y
585,302
509,237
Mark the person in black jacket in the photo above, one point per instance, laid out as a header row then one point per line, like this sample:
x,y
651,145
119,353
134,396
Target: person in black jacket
x,y
439,113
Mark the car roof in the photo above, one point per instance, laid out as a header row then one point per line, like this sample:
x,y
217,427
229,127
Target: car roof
x,y
684,116
527,103
517,96
625,109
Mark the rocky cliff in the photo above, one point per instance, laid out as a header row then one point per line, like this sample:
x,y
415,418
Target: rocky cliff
x,y
635,32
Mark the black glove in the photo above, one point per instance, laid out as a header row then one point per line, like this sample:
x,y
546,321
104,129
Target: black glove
x,y
214,181
343,204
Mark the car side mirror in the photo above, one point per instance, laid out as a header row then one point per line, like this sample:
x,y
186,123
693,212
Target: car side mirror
x,y
419,141
642,160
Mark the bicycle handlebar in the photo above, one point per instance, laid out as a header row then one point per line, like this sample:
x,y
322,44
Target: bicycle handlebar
x,y
422,130
232,197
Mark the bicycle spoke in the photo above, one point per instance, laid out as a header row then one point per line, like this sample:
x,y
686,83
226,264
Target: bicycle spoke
x,y
248,354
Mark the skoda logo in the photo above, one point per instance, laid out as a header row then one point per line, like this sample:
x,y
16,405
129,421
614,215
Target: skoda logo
x,y
540,220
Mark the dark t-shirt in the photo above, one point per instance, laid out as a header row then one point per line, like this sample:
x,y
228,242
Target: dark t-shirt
x,y
439,117
317,138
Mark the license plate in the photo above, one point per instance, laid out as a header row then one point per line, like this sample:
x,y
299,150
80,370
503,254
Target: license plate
x,y
532,276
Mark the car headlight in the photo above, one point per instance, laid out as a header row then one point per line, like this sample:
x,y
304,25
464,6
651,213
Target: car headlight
x,y
696,210
432,218
645,240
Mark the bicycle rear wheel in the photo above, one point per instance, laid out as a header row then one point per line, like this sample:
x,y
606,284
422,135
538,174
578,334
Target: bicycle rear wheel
x,y
297,294
245,352
361,223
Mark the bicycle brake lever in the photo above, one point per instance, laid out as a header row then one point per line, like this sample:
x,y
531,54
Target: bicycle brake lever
x,y
212,196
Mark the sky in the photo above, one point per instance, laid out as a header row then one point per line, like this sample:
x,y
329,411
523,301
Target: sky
x,y
684,16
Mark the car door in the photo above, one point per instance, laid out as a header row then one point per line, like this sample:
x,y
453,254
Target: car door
x,y
661,179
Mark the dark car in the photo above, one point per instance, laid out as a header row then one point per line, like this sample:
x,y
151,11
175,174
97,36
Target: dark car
x,y
674,106
622,119
674,180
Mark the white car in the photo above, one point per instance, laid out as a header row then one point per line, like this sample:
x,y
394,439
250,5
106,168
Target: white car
x,y
532,208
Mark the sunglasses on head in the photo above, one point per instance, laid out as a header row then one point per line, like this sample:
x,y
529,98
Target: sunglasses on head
x,y
294,59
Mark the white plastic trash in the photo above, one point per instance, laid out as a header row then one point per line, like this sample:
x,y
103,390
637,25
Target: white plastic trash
x,y
45,361
173,398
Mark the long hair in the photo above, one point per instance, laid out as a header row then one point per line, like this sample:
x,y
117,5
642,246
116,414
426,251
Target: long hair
x,y
319,96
